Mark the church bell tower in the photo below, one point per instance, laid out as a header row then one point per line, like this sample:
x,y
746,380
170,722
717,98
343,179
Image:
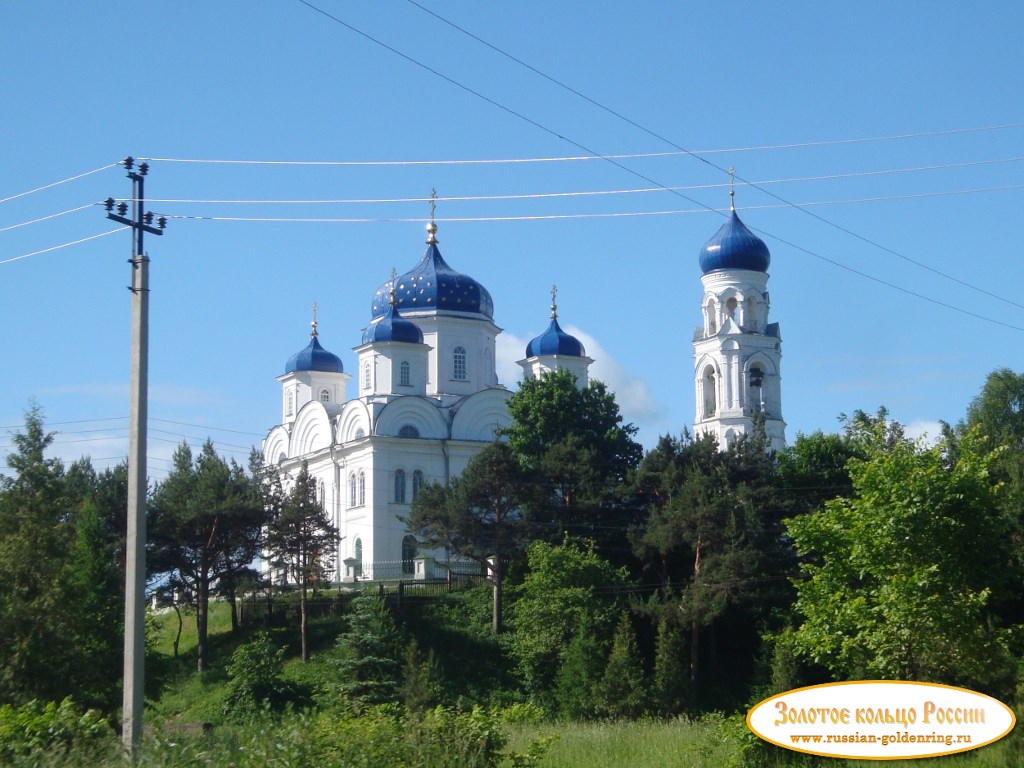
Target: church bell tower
x,y
737,352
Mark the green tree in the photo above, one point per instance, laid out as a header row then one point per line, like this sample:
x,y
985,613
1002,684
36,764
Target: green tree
x,y
669,692
575,445
813,469
300,539
622,692
61,592
713,542
996,415
200,516
568,590
579,674
480,515
422,679
95,595
896,581
35,535
370,652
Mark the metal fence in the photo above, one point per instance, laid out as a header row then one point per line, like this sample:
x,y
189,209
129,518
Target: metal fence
x,y
280,605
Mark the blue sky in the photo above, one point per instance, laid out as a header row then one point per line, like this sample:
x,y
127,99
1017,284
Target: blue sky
x,y
898,127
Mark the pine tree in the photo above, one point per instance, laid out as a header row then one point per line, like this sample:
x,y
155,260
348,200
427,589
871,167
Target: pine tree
x,y
370,653
670,687
622,692
301,539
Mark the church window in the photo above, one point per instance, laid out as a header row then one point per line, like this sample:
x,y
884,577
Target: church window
x,y
459,364
409,551
756,378
409,431
399,486
352,490
362,489
403,374
709,318
708,392
417,483
325,396
360,432
366,375
323,494
357,555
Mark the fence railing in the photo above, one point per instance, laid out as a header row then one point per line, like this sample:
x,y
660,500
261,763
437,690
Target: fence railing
x,y
282,604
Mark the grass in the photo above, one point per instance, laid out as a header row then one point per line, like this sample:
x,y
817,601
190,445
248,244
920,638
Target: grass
x,y
627,744
187,697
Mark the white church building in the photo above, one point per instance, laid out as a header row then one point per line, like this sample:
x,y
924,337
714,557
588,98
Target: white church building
x,y
425,396
425,399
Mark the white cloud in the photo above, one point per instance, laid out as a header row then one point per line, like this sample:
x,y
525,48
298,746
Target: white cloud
x,y
930,430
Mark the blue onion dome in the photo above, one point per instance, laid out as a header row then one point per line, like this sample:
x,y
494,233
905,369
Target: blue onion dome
x,y
392,327
313,358
734,246
432,284
555,341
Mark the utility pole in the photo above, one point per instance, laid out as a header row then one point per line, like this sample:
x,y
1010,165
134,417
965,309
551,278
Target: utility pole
x,y
135,559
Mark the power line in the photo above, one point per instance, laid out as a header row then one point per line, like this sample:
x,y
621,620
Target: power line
x,y
58,247
702,159
58,183
581,158
578,193
612,214
46,218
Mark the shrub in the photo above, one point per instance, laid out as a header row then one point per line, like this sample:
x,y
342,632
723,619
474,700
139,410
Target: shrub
x,y
257,683
37,727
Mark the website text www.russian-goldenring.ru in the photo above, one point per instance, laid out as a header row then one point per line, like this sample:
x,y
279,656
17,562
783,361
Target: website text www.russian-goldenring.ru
x,y
948,739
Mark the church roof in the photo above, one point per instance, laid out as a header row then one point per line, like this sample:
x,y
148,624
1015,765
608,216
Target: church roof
x,y
392,327
313,358
433,285
555,341
734,246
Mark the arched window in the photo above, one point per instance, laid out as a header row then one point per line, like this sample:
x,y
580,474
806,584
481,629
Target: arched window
x,y
399,486
360,433
362,488
325,396
408,553
730,308
366,375
409,431
403,374
756,379
357,555
352,490
710,321
323,495
417,483
459,364
708,391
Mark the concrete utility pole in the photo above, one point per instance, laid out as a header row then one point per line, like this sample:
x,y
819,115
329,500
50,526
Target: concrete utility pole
x,y
135,559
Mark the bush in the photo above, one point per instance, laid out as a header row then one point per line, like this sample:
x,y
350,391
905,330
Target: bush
x,y
36,727
257,683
